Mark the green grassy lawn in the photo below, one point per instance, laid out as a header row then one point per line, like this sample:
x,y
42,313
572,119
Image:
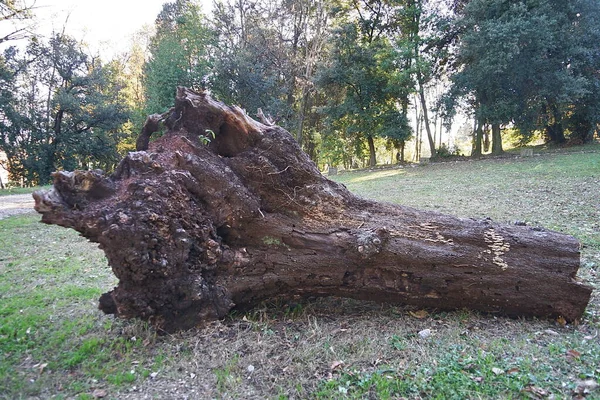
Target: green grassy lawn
x,y
19,190
54,343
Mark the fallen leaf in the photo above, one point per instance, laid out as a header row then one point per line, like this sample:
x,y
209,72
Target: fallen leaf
x,y
536,391
419,314
512,371
335,365
573,354
551,332
42,367
425,333
478,379
497,371
586,387
469,367
99,393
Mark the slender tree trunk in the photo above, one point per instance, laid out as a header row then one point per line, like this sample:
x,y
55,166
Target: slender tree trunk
x,y
417,131
496,139
416,26
400,149
478,139
441,132
372,155
435,125
425,117
301,117
554,130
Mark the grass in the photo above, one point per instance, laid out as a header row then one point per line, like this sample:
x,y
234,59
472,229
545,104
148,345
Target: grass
x,y
20,190
49,282
54,343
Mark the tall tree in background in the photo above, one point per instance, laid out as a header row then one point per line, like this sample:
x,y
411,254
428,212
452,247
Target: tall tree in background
x,y
414,31
65,112
12,121
308,49
530,63
582,117
252,61
267,58
178,53
128,69
362,75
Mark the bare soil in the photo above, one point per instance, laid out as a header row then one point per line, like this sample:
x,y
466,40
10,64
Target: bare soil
x,y
15,204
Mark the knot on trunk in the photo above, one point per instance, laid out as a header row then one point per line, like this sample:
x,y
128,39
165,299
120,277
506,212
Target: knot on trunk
x,y
371,242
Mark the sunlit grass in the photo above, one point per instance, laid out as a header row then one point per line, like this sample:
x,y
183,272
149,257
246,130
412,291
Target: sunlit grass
x,y
19,190
370,176
53,340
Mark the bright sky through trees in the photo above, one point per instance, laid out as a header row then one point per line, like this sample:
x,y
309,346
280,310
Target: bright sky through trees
x,y
105,26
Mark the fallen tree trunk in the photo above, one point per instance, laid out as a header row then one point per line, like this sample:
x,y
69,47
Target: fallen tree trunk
x,y
193,230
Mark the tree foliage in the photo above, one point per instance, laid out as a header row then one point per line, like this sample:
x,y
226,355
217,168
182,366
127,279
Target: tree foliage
x,y
340,75
266,58
63,111
362,77
531,63
12,11
178,53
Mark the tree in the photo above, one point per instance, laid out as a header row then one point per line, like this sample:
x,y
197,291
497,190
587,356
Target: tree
x,y
128,71
194,230
178,53
12,121
422,68
521,63
256,62
583,118
252,64
363,79
267,58
65,112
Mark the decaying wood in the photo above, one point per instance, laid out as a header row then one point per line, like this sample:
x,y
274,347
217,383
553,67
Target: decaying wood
x,y
194,230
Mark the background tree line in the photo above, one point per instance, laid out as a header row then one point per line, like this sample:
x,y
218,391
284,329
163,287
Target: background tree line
x,y
345,77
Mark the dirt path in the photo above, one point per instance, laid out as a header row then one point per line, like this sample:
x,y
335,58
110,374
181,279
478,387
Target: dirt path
x,y
15,204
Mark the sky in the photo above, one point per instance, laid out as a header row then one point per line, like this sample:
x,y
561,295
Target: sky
x,y
106,26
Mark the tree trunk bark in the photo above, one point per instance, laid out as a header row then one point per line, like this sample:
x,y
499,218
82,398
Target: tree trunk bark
x,y
372,154
497,140
478,139
426,117
554,130
194,230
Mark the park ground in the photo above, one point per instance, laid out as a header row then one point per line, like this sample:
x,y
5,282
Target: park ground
x,y
54,343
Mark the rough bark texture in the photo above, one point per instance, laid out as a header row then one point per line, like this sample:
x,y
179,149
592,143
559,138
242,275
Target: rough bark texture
x,y
194,230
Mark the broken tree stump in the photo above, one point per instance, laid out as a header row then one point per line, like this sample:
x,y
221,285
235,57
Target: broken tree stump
x,y
193,230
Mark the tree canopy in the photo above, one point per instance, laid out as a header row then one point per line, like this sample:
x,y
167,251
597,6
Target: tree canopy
x,y
60,110
350,79
531,64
